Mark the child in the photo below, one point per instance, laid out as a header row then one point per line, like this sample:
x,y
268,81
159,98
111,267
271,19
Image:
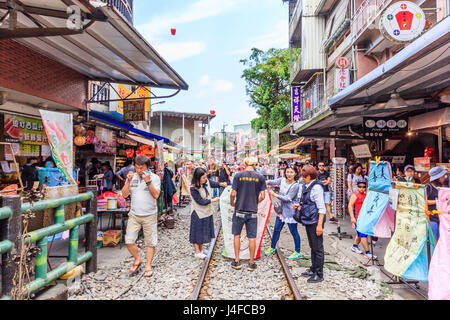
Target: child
x,y
354,207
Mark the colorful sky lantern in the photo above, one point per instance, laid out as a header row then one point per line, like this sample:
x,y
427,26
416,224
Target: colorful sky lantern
x,y
173,31
212,112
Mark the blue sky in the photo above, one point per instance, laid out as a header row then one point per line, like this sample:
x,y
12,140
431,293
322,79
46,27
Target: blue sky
x,y
212,36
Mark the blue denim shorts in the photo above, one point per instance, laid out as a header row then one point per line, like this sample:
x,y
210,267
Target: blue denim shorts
x,y
249,220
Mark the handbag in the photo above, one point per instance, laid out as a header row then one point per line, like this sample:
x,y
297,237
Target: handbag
x,y
277,204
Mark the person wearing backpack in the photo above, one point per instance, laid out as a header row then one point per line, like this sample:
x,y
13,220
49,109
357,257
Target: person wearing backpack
x,y
288,193
311,211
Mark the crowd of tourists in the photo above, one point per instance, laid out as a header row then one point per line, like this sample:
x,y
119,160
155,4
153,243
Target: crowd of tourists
x,y
302,192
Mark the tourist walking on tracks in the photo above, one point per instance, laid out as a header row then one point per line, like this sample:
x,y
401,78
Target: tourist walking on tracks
x,y
288,193
202,225
311,214
248,190
144,188
354,207
224,176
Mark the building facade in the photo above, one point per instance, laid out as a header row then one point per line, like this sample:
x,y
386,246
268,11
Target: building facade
x,y
125,7
350,67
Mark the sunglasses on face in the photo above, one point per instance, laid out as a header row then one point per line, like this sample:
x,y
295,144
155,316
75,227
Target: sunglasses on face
x,y
361,187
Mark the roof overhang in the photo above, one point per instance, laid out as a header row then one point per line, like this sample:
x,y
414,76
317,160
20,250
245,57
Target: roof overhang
x,y
325,6
108,49
420,70
107,119
339,122
187,115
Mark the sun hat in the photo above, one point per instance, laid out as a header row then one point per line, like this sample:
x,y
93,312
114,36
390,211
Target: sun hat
x,y
250,161
436,173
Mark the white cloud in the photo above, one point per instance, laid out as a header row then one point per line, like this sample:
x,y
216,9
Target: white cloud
x,y
180,50
222,86
199,10
205,80
278,38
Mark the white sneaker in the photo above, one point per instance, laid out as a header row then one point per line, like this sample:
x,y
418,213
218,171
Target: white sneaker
x,y
200,255
370,256
205,252
357,250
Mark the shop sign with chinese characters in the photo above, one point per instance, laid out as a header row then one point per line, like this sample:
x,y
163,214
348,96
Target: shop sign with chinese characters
x,y
296,104
403,21
381,128
134,110
124,92
24,130
342,74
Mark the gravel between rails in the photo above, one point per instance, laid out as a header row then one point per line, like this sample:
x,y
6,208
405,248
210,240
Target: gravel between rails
x,y
267,282
337,285
175,269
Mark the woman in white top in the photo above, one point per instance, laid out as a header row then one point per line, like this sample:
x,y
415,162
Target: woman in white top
x,y
353,177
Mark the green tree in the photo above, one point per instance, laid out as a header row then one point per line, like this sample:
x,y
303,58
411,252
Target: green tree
x,y
267,76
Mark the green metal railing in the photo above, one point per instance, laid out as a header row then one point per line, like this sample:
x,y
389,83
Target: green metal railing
x,y
39,236
10,228
5,245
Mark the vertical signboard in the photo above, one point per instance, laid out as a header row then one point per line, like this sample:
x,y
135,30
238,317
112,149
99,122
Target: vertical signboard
x,y
296,104
134,110
58,127
342,74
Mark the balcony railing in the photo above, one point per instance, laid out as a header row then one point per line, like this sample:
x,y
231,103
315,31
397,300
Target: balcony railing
x,y
314,92
365,16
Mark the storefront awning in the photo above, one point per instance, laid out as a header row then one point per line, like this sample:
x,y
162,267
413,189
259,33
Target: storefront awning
x,y
417,71
109,49
291,145
140,139
122,125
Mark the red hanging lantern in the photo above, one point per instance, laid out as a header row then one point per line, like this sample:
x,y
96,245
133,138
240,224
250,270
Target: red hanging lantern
x,y
130,153
173,31
212,112
307,103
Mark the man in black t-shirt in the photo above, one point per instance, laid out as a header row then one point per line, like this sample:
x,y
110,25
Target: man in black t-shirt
x,y
224,175
248,190
324,176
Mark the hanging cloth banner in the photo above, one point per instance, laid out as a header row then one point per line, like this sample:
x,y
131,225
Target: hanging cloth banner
x,y
406,254
376,217
439,276
58,127
227,212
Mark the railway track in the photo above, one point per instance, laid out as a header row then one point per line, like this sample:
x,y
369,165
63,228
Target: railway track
x,y
216,276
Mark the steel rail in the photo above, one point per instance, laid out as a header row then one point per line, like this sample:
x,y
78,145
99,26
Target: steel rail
x,y
287,272
196,293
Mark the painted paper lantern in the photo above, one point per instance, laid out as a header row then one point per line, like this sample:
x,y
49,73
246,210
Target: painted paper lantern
x,y
80,130
212,112
307,103
79,141
173,31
